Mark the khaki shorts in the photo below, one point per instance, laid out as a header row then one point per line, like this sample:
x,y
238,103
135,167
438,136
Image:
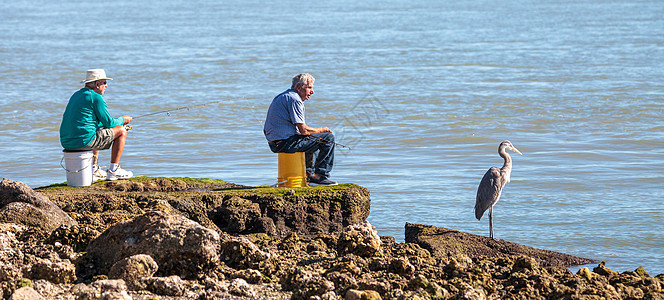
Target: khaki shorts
x,y
102,141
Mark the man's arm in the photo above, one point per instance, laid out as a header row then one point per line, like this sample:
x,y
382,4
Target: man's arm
x,y
100,109
304,129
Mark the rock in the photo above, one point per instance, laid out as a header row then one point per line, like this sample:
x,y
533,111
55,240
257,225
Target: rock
x,y
219,205
168,286
116,296
362,295
241,288
241,253
641,272
21,205
54,270
110,285
402,267
469,292
76,236
66,252
101,290
178,245
442,242
601,269
290,242
419,281
293,276
361,240
250,275
307,212
194,210
49,290
343,282
348,264
316,245
310,286
242,215
82,291
458,265
11,257
382,285
371,295
303,257
586,273
132,269
25,293
353,295
414,252
215,286
524,263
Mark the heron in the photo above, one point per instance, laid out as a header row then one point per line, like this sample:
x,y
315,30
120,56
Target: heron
x,y
491,186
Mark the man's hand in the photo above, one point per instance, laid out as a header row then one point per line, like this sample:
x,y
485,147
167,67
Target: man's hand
x,y
304,129
127,119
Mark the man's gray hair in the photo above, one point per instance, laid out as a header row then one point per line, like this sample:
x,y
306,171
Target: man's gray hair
x,y
92,84
301,79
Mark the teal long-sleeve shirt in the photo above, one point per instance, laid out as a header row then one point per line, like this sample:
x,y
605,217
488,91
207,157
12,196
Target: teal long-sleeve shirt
x,y
85,113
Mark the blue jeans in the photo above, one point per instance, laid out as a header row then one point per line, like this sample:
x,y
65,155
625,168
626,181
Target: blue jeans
x,y
318,147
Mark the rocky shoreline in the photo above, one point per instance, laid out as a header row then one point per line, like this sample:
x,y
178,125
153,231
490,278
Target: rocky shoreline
x,y
183,238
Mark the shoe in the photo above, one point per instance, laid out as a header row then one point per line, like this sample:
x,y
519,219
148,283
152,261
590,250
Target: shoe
x,y
321,181
120,173
98,173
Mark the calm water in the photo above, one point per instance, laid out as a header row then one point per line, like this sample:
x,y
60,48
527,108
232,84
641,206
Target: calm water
x,y
423,94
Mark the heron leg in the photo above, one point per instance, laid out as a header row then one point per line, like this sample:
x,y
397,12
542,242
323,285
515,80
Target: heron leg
x,y
491,222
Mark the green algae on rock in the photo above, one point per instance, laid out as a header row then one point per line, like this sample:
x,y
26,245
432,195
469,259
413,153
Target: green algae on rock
x,y
145,183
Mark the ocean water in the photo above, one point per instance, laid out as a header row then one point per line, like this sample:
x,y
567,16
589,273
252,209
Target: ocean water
x,y
422,93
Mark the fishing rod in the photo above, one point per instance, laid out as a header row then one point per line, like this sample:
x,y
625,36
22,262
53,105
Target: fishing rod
x,y
169,111
324,141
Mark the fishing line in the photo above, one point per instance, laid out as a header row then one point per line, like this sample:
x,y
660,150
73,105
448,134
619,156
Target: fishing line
x,y
169,111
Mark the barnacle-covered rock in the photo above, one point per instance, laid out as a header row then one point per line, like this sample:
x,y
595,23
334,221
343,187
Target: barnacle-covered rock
x,y
178,245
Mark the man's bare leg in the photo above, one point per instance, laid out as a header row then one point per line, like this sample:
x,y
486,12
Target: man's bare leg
x,y
120,137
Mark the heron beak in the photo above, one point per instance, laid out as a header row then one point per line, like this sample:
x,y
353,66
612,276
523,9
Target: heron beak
x,y
516,150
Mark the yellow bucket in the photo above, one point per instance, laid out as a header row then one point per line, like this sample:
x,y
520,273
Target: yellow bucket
x,y
292,170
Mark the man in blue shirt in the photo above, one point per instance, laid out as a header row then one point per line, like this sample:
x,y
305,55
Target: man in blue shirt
x,y
286,130
87,125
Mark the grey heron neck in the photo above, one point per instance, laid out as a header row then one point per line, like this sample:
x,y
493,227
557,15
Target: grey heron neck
x,y
507,166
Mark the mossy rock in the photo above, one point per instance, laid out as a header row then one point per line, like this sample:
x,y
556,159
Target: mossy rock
x,y
216,204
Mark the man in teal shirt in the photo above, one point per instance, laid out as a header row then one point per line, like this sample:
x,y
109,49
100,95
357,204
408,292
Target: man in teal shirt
x,y
87,125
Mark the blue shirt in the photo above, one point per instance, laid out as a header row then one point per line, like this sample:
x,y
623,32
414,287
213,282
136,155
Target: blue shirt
x,y
286,110
85,113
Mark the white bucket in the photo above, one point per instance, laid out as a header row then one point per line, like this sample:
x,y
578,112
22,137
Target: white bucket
x,y
79,168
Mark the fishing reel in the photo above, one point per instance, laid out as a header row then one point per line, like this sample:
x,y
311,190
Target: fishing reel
x,y
127,127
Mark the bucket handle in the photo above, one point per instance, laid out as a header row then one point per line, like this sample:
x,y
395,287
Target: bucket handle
x,y
280,182
79,170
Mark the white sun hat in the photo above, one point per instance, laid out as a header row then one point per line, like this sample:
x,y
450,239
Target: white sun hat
x,y
94,75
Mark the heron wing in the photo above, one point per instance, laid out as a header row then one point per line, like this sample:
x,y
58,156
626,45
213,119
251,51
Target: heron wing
x,y
488,192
